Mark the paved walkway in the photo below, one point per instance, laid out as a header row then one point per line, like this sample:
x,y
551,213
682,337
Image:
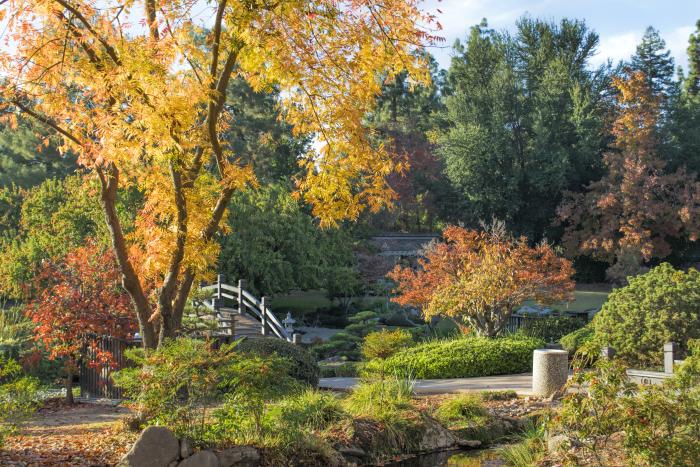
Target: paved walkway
x,y
522,384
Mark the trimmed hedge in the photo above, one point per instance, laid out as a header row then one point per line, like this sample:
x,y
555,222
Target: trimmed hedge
x,y
551,328
303,364
464,357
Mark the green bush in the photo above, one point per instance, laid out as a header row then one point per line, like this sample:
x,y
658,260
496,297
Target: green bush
x,y
551,328
660,306
656,424
19,397
340,370
464,357
303,365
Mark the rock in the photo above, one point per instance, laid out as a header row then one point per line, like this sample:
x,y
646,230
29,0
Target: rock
x,y
201,459
156,447
352,451
186,449
435,437
468,443
557,443
238,456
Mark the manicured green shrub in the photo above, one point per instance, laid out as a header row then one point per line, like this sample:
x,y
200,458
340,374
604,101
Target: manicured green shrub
x,y
660,306
302,363
551,328
464,357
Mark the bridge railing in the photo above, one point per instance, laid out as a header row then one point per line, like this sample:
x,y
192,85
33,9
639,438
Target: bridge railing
x,y
246,303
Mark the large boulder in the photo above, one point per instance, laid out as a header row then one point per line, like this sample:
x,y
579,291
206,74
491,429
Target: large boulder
x,y
435,437
156,447
239,456
201,459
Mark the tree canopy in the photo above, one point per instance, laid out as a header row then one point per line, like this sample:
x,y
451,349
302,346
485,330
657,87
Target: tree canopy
x,y
140,100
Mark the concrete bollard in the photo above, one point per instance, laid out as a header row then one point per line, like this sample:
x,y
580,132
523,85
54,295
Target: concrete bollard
x,y
550,370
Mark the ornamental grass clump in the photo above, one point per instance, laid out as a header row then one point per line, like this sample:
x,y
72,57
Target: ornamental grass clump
x,y
461,410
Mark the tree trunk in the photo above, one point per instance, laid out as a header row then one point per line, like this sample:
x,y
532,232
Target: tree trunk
x,y
69,386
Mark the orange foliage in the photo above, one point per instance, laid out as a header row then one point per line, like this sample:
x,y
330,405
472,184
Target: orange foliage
x,y
636,207
136,93
479,278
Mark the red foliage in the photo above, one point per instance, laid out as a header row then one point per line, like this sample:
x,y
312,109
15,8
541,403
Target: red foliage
x,y
638,205
78,299
479,278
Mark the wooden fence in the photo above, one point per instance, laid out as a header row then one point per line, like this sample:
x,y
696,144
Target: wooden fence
x,y
96,382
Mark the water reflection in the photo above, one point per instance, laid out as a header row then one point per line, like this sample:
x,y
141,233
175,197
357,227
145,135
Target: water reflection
x,y
481,458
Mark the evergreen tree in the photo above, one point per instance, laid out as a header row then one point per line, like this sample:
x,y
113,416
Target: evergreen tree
x,y
692,81
524,121
655,61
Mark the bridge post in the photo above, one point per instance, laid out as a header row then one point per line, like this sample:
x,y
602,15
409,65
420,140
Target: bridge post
x,y
263,315
219,281
241,286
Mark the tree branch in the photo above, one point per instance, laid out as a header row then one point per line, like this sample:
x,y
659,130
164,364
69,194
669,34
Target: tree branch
x,y
109,181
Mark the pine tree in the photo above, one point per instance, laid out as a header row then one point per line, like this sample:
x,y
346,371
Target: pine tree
x,y
655,61
692,81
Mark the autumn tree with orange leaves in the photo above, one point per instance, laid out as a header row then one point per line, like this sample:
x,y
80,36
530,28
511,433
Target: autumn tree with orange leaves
x,y
135,92
478,278
629,216
79,299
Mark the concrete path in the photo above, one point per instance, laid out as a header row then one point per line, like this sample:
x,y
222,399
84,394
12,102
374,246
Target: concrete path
x,y
522,384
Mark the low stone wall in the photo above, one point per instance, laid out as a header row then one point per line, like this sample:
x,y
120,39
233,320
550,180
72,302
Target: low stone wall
x,y
158,447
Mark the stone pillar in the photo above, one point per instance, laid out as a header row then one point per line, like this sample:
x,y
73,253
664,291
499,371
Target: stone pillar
x,y
550,370
670,349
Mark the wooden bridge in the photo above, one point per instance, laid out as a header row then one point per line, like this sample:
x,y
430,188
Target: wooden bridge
x,y
240,314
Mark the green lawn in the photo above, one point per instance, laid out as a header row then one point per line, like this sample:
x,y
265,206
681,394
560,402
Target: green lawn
x,y
306,301
584,300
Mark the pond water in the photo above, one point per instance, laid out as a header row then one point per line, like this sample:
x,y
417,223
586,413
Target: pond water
x,y
479,458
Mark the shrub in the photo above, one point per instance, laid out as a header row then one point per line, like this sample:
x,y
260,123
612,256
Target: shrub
x,y
460,409
251,384
177,384
303,365
582,346
381,345
551,328
347,342
340,370
18,397
464,357
660,306
658,425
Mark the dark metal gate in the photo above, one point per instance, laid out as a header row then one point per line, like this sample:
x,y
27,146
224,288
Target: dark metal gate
x,y
96,381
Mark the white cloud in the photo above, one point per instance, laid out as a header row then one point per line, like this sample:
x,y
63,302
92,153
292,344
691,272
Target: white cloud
x,y
617,47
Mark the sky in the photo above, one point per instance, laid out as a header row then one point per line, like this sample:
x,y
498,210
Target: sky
x,y
620,23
